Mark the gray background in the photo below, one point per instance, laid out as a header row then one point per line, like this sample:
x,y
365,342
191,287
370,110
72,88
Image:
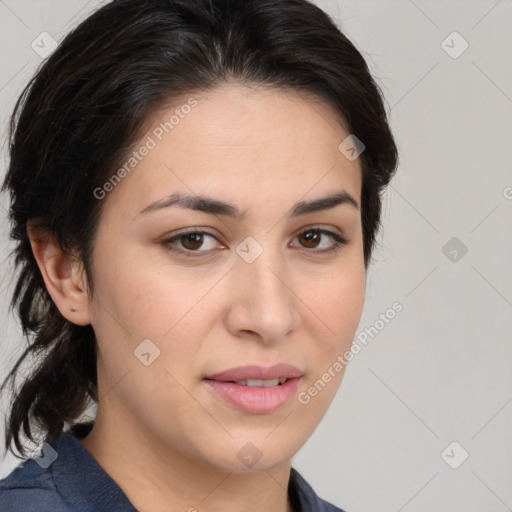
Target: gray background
x,y
441,370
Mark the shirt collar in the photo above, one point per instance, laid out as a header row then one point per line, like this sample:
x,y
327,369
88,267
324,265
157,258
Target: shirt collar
x,y
83,482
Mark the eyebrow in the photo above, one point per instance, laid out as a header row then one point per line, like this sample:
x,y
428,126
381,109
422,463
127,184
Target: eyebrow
x,y
216,207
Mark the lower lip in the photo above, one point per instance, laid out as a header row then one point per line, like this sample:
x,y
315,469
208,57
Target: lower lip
x,y
255,400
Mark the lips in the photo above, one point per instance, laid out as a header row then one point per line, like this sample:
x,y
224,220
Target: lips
x,y
242,373
256,389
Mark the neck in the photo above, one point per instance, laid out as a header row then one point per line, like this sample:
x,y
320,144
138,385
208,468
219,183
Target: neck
x,y
155,477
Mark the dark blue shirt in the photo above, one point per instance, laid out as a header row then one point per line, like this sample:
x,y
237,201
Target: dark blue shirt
x,y
75,482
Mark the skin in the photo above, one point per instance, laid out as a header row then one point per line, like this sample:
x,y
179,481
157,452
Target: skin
x,y
160,432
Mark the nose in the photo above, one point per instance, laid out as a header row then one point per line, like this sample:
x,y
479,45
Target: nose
x,y
263,303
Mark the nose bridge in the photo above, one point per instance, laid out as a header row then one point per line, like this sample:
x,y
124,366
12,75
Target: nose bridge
x,y
268,304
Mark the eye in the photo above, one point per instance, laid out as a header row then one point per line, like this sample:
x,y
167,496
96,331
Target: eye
x,y
311,238
189,242
193,242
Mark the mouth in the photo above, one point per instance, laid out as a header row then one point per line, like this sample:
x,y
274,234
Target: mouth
x,y
258,383
258,375
256,389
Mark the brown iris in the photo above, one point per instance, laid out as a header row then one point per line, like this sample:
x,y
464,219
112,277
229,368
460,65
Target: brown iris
x,y
192,240
310,237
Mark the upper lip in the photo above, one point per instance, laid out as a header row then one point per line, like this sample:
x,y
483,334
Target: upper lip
x,y
257,373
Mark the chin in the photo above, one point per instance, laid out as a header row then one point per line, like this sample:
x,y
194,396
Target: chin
x,y
244,455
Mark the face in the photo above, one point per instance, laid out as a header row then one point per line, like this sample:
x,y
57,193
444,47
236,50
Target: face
x,y
248,277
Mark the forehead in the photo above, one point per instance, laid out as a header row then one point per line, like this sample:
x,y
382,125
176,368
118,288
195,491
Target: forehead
x,y
237,141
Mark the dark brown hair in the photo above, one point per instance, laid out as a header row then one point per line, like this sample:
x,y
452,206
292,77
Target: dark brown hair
x,y
78,117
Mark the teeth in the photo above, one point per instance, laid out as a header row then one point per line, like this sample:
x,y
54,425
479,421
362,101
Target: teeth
x,y
256,383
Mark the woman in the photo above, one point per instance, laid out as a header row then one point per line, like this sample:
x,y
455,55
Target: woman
x,y
195,194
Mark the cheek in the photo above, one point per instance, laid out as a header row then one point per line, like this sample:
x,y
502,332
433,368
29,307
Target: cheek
x,y
338,301
335,308
144,299
172,308
140,303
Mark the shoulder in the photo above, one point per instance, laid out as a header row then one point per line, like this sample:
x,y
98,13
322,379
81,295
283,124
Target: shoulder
x,y
30,488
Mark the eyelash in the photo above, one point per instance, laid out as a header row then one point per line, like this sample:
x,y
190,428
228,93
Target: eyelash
x,y
339,241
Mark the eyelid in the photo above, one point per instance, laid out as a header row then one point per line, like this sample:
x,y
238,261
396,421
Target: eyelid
x,y
320,227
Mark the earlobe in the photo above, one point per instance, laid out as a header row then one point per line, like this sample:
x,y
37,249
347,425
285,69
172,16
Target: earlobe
x,y
62,274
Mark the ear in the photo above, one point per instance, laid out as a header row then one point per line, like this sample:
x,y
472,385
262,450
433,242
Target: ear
x,y
63,275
